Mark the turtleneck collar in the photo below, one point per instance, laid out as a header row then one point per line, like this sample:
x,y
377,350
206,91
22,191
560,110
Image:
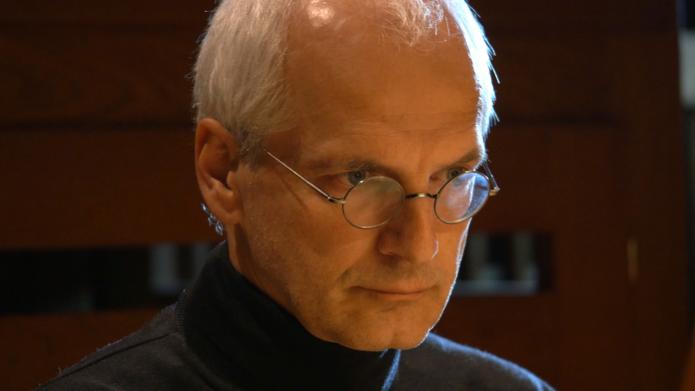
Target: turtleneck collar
x,y
250,341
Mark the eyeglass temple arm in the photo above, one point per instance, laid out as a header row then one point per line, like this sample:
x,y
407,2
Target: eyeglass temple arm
x,y
329,197
495,188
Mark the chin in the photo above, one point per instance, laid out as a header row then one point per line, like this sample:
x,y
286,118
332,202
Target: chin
x,y
410,343
399,343
382,339
383,326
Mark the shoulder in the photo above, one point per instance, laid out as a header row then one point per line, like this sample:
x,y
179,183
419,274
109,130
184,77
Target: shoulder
x,y
439,363
151,358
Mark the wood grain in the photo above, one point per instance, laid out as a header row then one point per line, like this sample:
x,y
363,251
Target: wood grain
x,y
99,188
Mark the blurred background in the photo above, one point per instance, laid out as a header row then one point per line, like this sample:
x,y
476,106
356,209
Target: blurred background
x,y
581,270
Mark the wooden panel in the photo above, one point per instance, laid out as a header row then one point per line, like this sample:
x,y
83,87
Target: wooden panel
x,y
688,383
563,181
655,198
553,78
624,74
105,12
126,78
73,189
35,348
75,64
548,17
521,329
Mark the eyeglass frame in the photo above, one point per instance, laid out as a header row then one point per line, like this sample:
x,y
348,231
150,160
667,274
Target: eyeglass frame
x,y
493,189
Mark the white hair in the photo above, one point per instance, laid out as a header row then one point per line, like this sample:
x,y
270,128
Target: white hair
x,y
239,70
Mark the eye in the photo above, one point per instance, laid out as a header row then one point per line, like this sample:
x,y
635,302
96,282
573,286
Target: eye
x,y
454,172
354,177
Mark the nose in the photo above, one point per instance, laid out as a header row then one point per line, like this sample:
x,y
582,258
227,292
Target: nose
x,y
410,235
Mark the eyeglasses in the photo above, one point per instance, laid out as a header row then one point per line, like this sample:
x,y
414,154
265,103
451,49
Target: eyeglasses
x,y
373,201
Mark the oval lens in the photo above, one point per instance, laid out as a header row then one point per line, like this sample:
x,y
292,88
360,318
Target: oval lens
x,y
462,197
373,202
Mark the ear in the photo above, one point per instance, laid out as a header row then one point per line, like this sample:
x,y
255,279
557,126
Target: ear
x,y
216,166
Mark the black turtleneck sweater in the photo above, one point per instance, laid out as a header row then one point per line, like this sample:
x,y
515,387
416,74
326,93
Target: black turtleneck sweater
x,y
225,334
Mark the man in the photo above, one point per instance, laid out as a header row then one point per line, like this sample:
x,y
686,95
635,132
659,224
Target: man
x,y
340,151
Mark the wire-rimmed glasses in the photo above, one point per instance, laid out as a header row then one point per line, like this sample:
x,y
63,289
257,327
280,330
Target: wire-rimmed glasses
x,y
373,201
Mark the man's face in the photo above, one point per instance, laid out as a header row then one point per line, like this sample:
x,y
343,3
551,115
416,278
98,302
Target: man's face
x,y
407,113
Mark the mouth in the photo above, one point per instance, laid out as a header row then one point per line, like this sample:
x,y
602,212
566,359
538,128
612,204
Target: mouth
x,y
395,294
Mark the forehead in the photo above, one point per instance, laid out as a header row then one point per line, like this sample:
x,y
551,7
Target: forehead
x,y
398,152
388,135
352,58
351,81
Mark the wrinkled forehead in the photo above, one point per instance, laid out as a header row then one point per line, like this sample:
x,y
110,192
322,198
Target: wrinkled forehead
x,y
348,52
352,37
408,20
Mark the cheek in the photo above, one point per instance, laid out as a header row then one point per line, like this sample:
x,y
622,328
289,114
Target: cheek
x,y
300,236
452,245
462,238
315,225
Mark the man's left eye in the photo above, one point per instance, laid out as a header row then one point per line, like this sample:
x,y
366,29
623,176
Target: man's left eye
x,y
454,172
354,177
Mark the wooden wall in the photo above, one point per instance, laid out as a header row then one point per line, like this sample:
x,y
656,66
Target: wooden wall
x,y
596,83
95,149
95,122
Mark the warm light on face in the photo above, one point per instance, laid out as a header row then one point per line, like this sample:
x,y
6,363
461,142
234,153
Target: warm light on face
x,y
319,13
411,113
373,200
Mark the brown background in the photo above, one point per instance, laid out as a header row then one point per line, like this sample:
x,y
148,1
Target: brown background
x,y
95,149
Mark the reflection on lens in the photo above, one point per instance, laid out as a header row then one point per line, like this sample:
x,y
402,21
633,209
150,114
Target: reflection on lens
x,y
373,202
462,197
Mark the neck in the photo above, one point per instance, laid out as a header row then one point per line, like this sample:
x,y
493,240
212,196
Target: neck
x,y
247,338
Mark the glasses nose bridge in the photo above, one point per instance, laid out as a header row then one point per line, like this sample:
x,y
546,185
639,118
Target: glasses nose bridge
x,y
414,196
420,195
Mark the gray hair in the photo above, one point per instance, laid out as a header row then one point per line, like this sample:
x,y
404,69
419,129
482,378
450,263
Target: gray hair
x,y
239,70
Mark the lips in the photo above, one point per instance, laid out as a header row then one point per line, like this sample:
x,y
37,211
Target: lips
x,y
396,292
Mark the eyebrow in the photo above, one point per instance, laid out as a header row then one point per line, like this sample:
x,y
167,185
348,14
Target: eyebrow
x,y
477,155
328,163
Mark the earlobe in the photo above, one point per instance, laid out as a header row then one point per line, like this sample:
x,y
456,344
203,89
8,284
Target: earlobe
x,y
216,165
